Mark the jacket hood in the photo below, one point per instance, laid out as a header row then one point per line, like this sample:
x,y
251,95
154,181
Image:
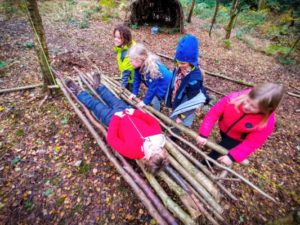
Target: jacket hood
x,y
187,50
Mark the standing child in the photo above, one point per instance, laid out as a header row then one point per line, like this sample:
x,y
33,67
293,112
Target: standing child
x,y
149,70
186,91
123,41
245,118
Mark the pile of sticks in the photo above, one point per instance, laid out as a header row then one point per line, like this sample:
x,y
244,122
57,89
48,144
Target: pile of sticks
x,y
197,189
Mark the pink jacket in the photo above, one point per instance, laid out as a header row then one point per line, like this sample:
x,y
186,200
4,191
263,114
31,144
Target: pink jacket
x,y
238,126
127,129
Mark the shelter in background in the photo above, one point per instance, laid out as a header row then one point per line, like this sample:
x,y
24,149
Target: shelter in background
x,y
164,13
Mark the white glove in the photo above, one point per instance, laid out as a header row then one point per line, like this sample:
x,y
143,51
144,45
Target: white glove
x,y
132,96
140,105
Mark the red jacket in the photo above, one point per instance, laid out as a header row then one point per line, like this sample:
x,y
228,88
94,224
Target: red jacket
x,y
238,126
123,132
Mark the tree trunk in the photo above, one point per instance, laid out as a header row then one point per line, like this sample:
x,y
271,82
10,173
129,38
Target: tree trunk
x,y
292,48
261,4
233,14
40,43
215,16
189,18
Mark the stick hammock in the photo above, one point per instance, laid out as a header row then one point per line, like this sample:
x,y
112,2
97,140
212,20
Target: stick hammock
x,y
197,189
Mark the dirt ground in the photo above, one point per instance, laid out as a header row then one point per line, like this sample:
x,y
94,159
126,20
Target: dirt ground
x,y
41,146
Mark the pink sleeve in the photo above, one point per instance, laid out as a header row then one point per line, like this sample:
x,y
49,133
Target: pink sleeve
x,y
212,116
253,141
115,141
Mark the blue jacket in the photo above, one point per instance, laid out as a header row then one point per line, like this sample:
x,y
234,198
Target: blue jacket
x,y
157,87
190,86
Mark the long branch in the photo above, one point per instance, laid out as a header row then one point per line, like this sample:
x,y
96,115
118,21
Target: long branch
x,y
214,74
204,169
169,203
147,203
26,87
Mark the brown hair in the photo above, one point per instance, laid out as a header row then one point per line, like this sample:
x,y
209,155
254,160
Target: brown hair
x,y
268,96
124,33
156,162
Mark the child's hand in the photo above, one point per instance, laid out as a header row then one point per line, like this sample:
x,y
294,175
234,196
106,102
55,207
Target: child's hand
x,y
132,96
201,141
178,120
140,105
225,160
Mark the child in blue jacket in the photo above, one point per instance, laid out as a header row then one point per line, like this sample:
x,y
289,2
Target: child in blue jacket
x,y
186,91
149,70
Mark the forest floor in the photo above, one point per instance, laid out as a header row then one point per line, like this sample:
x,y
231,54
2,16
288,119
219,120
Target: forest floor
x,y
52,171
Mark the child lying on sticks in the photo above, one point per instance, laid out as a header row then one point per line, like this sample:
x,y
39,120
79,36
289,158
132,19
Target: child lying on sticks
x,y
131,132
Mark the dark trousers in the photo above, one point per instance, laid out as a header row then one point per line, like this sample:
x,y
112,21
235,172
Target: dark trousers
x,y
103,112
129,87
225,142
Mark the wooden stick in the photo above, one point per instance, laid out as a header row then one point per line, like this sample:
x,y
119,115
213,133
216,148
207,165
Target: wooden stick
x,y
293,94
212,90
204,169
183,195
208,198
26,88
229,179
191,192
169,203
147,203
298,89
214,74
199,176
148,191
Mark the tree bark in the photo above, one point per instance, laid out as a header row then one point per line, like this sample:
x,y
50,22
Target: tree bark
x,y
214,17
189,18
40,43
261,4
233,14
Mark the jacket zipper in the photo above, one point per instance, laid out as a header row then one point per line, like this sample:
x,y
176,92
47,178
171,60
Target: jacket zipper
x,y
235,122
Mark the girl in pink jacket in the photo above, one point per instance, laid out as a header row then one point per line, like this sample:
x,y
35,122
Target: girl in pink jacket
x,y
245,119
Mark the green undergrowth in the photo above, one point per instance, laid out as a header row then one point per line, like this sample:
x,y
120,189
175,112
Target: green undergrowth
x,y
278,23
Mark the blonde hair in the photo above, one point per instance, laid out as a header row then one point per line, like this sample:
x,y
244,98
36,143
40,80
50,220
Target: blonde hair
x,y
156,162
140,52
268,97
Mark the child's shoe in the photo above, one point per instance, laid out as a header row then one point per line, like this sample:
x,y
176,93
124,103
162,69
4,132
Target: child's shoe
x,y
96,80
74,88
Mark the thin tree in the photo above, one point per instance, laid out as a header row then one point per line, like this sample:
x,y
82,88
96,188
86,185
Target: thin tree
x,y
189,18
293,46
233,15
261,4
40,43
214,17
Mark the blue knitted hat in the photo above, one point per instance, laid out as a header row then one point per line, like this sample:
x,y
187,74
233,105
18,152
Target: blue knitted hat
x,y
187,50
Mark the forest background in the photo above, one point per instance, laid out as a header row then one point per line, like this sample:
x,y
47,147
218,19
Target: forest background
x,y
51,169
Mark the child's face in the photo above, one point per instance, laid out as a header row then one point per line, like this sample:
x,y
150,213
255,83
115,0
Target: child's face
x,y
251,106
184,65
118,40
136,63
